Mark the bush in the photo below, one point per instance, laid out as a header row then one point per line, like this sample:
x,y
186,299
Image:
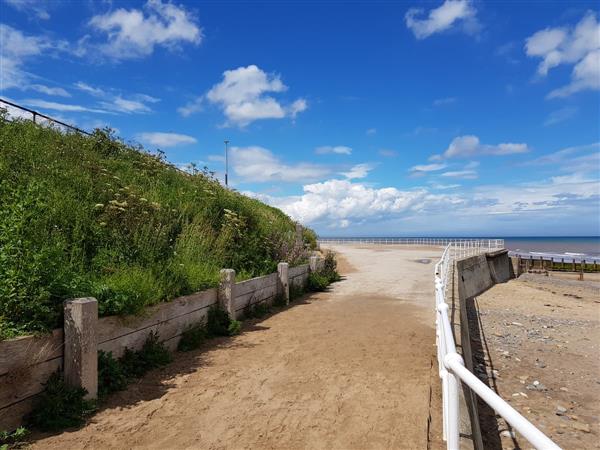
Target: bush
x,y
13,439
60,406
111,376
92,216
217,323
317,281
296,292
192,338
235,326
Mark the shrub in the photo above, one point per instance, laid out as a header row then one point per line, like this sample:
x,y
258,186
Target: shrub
x,y
317,281
14,439
235,326
111,377
296,291
192,338
279,301
60,406
217,323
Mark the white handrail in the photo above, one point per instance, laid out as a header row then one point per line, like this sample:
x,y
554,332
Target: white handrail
x,y
451,365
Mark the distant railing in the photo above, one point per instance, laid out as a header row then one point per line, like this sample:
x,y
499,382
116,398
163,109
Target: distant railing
x,y
451,365
464,244
36,114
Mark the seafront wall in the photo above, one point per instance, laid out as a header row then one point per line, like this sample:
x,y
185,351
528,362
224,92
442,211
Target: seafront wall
x,y
474,276
27,362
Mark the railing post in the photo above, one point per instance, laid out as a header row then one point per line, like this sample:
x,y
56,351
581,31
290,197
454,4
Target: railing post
x,y
283,285
312,263
81,347
227,291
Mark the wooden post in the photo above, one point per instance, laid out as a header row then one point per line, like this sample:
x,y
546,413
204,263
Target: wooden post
x,y
519,269
574,266
81,348
581,266
283,281
312,263
227,291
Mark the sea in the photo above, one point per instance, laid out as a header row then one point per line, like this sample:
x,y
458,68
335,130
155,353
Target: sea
x,y
568,247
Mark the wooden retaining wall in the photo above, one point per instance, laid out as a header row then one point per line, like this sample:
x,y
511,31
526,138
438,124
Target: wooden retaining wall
x,y
27,362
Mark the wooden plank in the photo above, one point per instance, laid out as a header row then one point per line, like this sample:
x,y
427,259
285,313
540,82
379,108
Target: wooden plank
x,y
27,351
254,284
298,270
110,328
19,384
256,296
12,417
239,313
167,330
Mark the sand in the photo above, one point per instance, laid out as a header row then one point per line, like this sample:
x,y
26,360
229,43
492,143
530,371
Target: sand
x,y
542,337
350,368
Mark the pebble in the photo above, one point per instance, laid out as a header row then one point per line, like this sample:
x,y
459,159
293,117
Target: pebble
x,y
564,389
581,427
516,324
508,434
560,410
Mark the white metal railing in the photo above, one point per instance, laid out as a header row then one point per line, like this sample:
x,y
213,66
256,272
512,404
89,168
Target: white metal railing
x,y
451,365
442,242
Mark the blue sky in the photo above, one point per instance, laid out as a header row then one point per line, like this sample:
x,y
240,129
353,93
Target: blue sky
x,y
448,117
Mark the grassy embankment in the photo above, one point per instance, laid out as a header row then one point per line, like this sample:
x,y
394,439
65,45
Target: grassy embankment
x,y
93,216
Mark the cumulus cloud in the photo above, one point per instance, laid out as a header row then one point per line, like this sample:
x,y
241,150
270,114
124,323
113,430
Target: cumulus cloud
x,y
427,167
165,140
449,14
191,107
578,46
257,164
135,33
469,145
243,95
337,149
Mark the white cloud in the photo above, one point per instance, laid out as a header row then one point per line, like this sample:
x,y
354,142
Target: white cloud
x,y
444,101
243,96
135,33
560,115
165,140
469,145
39,8
257,164
191,107
16,49
63,107
338,149
388,153
342,202
371,131
116,102
450,13
358,171
427,167
52,91
466,174
579,45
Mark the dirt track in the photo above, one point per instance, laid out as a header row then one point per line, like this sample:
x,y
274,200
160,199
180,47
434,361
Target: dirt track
x,y
350,368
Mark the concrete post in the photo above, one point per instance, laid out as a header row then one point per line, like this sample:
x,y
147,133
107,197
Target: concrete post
x,y
81,348
312,263
299,238
227,291
283,281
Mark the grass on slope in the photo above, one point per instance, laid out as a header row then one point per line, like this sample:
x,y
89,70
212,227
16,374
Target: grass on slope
x,y
92,216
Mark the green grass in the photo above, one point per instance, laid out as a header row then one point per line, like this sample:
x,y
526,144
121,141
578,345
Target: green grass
x,y
93,216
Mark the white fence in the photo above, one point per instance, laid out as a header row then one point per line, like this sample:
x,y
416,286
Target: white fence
x,y
442,242
451,365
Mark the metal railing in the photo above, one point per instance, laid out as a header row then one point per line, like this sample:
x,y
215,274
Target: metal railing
x,y
441,242
36,114
451,366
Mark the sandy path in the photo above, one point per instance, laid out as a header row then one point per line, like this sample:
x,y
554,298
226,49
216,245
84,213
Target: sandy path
x,y
350,368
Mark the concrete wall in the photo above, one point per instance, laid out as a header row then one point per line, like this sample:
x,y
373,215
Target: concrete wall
x,y
476,275
27,362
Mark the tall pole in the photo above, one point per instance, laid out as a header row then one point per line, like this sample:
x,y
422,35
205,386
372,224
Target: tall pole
x,y
226,162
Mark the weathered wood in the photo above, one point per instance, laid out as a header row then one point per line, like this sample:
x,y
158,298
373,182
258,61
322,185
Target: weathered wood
x,y
254,284
19,385
255,297
283,281
113,327
26,351
298,270
227,290
12,417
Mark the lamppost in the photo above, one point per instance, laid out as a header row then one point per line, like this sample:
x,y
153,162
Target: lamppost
x,y
226,161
